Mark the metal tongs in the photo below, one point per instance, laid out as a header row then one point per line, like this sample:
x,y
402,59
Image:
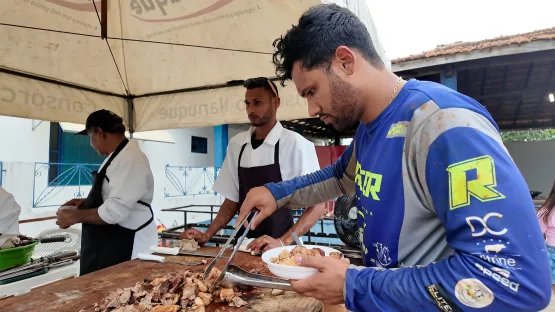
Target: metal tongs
x,y
254,213
234,274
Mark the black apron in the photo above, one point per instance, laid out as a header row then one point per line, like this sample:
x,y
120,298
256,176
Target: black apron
x,y
107,244
279,222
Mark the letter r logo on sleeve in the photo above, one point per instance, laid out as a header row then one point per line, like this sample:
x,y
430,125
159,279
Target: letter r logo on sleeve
x,y
462,185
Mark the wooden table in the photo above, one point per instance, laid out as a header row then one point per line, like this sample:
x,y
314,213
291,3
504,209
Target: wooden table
x,y
75,294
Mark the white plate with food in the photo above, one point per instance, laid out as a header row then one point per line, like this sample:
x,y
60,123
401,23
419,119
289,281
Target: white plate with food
x,y
281,260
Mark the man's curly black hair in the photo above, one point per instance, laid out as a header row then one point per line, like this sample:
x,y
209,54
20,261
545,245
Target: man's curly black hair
x,y
321,30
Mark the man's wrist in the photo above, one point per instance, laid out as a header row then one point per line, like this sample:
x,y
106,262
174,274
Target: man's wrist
x,y
78,216
286,241
209,233
269,187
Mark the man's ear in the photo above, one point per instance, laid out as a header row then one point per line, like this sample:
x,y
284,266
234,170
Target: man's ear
x,y
277,102
346,59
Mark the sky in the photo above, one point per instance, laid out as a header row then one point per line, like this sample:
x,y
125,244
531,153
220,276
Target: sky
x,y
408,27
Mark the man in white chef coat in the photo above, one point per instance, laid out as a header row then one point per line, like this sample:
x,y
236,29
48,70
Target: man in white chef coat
x,y
9,217
116,215
265,153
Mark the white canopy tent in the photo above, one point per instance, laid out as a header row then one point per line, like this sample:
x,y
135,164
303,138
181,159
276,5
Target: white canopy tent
x,y
161,64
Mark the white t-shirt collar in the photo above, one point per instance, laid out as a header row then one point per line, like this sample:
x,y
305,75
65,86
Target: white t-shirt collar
x,y
272,138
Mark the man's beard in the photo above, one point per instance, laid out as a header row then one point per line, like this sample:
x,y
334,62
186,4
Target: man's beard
x,y
344,98
259,122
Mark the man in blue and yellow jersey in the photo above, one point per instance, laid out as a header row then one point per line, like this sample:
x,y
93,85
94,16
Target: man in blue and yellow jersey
x,y
445,217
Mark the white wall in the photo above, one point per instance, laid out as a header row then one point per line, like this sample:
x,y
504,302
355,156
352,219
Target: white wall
x,y
21,143
179,154
536,162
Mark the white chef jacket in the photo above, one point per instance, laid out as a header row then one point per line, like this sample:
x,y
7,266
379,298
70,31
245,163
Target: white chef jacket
x,y
131,180
9,214
297,156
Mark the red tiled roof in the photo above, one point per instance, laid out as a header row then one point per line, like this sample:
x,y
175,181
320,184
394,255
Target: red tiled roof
x,y
464,47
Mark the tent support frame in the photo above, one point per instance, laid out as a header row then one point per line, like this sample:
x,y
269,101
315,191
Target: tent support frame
x,y
104,19
130,116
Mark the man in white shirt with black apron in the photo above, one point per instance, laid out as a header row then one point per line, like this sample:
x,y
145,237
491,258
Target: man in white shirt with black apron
x,y
266,153
116,215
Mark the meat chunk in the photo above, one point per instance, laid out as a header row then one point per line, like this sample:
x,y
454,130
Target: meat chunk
x,y
185,302
146,301
190,291
237,302
174,292
227,294
170,299
172,308
201,286
206,298
197,309
317,252
163,287
124,297
174,283
188,245
216,296
277,292
288,258
199,302
336,255
299,251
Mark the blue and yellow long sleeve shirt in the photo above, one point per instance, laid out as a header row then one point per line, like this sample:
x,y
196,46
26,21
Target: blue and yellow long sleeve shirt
x,y
445,217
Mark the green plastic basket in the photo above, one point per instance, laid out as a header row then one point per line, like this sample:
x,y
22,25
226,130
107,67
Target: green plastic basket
x,y
16,256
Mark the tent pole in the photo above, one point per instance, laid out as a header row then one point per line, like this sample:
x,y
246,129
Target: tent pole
x,y
104,19
130,116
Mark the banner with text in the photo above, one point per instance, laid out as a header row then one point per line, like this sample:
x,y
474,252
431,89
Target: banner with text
x,y
208,108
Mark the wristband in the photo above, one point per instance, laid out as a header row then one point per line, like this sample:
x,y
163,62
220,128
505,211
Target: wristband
x,y
282,245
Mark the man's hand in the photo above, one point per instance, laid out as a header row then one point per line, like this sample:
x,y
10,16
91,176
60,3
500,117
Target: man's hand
x,y
260,198
77,202
264,243
326,285
200,237
67,217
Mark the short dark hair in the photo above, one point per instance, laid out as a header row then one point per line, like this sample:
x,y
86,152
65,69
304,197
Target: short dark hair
x,y
103,119
117,129
261,82
321,30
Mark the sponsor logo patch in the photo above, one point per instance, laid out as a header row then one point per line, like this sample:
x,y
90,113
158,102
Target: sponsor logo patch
x,y
484,228
473,293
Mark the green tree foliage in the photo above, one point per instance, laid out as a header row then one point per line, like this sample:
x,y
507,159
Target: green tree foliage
x,y
528,135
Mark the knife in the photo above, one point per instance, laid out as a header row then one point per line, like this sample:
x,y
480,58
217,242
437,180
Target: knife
x,y
175,251
149,257
23,238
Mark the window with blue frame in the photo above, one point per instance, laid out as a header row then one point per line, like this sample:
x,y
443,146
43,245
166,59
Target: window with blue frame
x,y
71,158
199,145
